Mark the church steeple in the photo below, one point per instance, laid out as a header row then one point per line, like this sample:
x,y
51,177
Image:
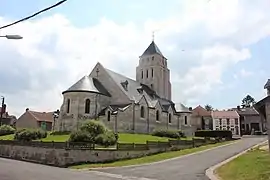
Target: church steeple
x,y
152,49
153,71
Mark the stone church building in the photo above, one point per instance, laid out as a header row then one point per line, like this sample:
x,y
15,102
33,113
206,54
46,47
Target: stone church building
x,y
124,104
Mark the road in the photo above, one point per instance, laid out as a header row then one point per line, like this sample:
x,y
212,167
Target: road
x,y
185,168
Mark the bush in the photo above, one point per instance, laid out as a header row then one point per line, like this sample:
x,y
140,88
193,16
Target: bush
x,y
6,130
29,134
60,133
106,139
168,133
214,133
93,127
81,136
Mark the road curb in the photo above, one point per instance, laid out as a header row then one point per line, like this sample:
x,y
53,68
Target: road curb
x,y
210,172
166,160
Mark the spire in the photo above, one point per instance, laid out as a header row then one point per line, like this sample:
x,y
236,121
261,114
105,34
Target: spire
x,y
152,49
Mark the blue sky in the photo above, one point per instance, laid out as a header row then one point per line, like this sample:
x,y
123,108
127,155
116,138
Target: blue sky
x,y
226,47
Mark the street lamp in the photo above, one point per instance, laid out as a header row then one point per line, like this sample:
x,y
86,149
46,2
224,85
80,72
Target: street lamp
x,y
12,37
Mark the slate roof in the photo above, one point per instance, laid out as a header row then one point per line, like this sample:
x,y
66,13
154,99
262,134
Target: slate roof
x,y
88,84
260,106
246,111
179,107
267,85
152,49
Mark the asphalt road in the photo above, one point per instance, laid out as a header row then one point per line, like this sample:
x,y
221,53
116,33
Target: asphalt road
x,y
186,168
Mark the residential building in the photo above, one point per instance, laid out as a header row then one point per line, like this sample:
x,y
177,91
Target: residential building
x,y
124,104
201,118
250,119
34,120
226,120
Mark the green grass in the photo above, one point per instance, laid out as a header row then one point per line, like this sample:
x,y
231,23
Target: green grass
x,y
7,137
149,159
253,165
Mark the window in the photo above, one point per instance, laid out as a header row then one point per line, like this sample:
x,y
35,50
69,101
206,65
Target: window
x,y
142,74
185,120
68,105
109,116
152,72
153,58
170,118
146,73
157,115
142,112
237,130
228,121
87,106
236,121
220,121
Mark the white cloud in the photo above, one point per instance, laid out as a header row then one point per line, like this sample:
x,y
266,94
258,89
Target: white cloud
x,y
54,53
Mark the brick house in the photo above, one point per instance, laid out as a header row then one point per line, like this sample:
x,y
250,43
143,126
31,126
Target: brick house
x,y
201,118
35,120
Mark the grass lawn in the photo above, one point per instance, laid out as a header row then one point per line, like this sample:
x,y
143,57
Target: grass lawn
x,y
151,158
253,165
7,137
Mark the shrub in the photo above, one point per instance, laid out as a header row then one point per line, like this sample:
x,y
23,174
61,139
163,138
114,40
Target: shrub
x,y
29,134
106,139
60,133
168,133
93,127
81,136
214,133
6,130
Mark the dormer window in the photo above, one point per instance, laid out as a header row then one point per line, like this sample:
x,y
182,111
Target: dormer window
x,y
125,85
140,90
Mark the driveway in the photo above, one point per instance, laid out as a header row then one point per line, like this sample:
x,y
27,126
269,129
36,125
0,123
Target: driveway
x,y
185,168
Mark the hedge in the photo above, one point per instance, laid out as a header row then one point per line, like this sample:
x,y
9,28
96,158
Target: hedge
x,y
214,133
6,130
29,134
168,133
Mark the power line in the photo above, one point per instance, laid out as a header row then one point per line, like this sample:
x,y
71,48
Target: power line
x,y
33,15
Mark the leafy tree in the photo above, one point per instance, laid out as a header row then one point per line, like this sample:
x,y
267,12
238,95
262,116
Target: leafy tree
x,y
248,101
208,107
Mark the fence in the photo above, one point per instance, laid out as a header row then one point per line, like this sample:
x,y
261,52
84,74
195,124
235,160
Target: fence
x,y
119,146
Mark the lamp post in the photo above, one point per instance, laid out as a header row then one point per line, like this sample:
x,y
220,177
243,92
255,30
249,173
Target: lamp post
x,y
14,37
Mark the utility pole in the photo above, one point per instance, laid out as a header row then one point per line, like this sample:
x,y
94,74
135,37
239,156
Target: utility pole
x,y
2,110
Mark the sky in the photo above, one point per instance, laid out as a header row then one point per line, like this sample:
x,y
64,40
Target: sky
x,y
217,50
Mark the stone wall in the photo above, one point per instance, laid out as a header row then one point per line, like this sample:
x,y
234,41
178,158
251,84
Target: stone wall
x,y
64,158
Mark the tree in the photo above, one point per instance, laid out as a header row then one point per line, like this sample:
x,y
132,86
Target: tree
x,y
208,107
248,101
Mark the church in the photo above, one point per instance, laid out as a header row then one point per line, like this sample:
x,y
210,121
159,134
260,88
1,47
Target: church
x,y
124,104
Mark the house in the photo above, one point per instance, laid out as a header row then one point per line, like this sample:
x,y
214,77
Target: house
x,y
250,119
226,120
34,120
201,118
124,104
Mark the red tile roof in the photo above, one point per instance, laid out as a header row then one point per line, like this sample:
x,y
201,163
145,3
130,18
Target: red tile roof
x,y
200,111
42,116
225,114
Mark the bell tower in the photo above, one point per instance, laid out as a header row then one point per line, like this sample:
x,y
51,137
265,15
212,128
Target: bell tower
x,y
153,71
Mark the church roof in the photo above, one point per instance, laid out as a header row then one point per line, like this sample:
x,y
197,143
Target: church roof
x,y
179,107
267,85
152,49
88,84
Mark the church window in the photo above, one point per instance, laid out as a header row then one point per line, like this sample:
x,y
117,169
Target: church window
x,y
185,120
142,112
152,72
170,118
146,73
157,115
153,58
142,74
152,86
68,105
109,116
87,106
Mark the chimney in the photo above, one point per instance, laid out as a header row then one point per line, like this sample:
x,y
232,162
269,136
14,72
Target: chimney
x,y
190,108
27,109
238,108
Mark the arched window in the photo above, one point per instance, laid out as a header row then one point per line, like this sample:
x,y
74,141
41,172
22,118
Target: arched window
x,y
152,72
157,115
142,112
87,106
146,73
185,120
109,116
142,74
153,58
68,105
170,118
